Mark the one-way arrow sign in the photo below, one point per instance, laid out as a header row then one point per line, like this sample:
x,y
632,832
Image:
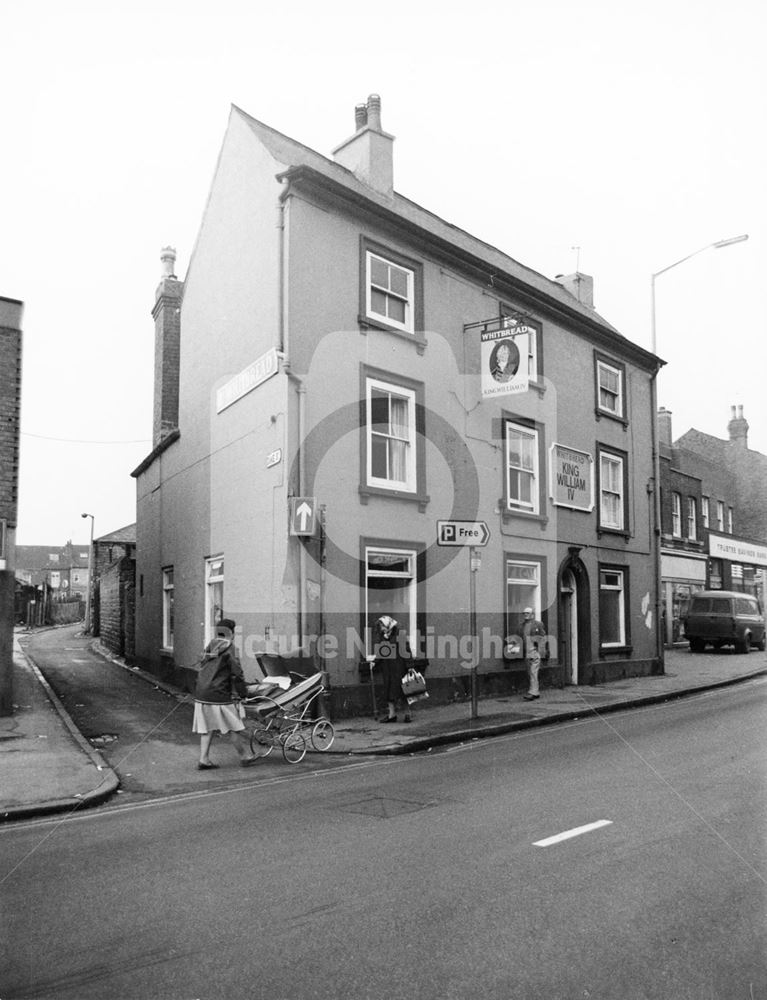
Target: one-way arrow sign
x,y
462,533
303,515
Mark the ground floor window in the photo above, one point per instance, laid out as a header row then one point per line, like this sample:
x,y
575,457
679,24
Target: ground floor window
x,y
214,595
523,590
390,589
612,607
167,608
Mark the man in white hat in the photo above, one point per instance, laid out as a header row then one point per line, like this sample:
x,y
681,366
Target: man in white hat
x,y
534,639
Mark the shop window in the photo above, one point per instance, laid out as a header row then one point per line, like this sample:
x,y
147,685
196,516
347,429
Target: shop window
x,y
390,589
214,595
715,574
167,608
523,590
612,607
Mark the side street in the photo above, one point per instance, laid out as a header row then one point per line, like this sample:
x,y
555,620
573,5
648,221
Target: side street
x,y
47,765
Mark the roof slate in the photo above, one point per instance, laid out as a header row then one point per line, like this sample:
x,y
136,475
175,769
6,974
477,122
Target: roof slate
x,y
292,153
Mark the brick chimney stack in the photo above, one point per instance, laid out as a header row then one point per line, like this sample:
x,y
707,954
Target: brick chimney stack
x,y
369,152
167,338
738,428
664,427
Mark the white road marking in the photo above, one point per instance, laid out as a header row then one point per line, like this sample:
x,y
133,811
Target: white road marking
x,y
559,837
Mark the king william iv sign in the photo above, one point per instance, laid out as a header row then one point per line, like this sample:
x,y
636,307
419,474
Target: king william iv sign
x,y
572,478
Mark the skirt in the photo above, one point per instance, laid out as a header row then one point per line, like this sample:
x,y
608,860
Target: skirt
x,y
219,718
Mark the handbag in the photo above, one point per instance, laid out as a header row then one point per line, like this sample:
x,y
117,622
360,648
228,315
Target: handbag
x,y
413,683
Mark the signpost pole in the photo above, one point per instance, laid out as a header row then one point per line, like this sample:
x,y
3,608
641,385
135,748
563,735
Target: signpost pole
x,y
474,562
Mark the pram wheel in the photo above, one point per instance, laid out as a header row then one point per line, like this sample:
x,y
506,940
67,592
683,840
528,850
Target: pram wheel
x,y
293,747
261,742
323,734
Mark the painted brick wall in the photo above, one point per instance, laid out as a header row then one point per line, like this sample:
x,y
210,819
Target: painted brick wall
x,y
10,408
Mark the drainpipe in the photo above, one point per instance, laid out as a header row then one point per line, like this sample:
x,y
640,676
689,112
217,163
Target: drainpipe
x,y
659,645
284,354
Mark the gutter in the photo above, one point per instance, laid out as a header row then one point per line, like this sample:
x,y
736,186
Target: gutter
x,y
503,283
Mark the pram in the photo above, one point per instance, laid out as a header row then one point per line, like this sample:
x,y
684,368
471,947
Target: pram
x,y
279,709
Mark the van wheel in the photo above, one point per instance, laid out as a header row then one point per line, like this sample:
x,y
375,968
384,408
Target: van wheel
x,y
697,645
744,645
762,645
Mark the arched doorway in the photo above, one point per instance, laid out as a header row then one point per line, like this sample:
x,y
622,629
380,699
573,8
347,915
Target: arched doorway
x,y
574,618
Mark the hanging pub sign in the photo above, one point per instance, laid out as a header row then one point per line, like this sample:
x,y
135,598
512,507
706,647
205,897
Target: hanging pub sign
x,y
571,474
504,352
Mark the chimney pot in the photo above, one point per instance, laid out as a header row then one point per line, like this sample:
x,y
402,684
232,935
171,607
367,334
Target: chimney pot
x,y
168,259
368,153
374,112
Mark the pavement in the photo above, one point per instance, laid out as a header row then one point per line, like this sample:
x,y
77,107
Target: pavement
x,y
47,765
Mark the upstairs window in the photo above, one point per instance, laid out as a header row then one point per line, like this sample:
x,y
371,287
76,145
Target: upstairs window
x,y
729,520
704,511
391,293
676,515
692,522
612,491
610,387
720,515
522,477
391,452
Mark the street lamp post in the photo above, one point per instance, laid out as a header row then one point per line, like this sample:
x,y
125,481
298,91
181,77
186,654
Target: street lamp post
x,y
90,578
656,437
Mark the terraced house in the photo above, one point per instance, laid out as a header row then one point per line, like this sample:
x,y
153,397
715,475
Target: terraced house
x,y
347,388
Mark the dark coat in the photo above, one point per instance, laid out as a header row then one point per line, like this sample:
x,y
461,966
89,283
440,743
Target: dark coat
x,y
394,663
220,680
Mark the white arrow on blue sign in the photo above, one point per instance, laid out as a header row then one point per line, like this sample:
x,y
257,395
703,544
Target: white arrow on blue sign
x,y
462,533
303,515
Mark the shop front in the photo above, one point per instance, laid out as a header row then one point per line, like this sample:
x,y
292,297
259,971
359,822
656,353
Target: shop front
x,y
735,564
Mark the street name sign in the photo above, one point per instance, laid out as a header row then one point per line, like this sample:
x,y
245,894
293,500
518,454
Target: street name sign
x,y
462,533
303,515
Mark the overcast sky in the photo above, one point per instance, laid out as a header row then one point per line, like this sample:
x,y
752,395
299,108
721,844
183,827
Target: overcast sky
x,y
635,132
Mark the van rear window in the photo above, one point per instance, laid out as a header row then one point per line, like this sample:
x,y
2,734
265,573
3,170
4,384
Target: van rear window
x,y
721,606
700,605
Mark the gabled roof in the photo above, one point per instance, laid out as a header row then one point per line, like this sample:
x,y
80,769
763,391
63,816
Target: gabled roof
x,y
294,154
124,536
